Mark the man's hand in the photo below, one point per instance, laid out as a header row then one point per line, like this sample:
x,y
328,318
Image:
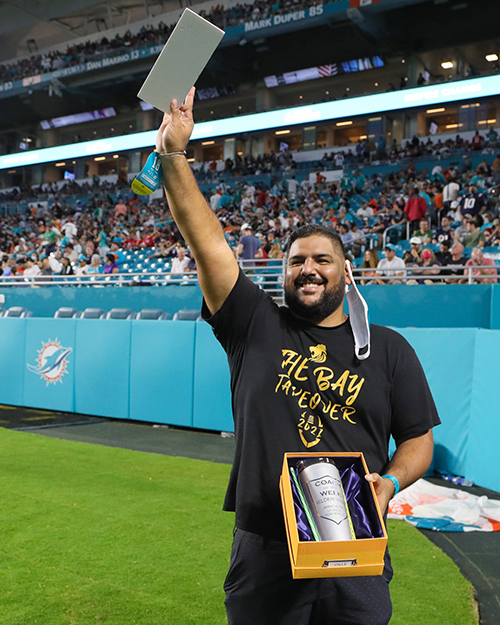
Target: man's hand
x,y
176,128
384,489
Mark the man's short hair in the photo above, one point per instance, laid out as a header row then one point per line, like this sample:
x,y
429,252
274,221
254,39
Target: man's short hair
x,y
311,230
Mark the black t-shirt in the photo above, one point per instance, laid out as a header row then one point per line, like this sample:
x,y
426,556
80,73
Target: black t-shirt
x,y
452,270
298,387
444,258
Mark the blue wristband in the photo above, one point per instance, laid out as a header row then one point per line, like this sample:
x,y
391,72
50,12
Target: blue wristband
x,y
394,480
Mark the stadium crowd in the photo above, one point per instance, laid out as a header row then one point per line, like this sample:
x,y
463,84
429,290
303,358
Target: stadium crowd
x,y
147,35
409,225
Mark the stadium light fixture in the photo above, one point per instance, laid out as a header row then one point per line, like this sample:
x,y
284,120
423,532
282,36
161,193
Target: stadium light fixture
x,y
344,123
207,142
446,64
491,57
100,158
282,132
60,164
441,110
431,95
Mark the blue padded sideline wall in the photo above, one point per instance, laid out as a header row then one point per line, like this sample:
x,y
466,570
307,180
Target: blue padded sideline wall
x,y
175,372
457,306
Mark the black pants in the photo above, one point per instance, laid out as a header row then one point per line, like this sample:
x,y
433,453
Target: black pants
x,y
260,590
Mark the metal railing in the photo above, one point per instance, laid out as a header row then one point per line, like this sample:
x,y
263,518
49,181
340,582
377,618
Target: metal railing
x,y
268,273
410,274
142,278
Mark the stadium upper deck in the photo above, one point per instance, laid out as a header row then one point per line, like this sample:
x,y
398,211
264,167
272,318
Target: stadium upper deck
x,y
341,39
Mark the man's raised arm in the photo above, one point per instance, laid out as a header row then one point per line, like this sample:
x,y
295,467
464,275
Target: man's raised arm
x,y
217,267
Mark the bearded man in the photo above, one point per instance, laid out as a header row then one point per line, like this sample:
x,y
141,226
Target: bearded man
x,y
298,384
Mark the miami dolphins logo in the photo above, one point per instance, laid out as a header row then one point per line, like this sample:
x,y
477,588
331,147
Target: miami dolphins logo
x,y
318,353
51,362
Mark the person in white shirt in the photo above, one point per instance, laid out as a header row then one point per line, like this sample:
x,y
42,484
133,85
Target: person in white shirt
x,y
32,269
391,266
181,262
364,210
214,201
450,194
83,268
70,230
306,185
339,159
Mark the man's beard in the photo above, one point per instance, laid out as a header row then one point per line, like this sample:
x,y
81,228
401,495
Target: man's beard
x,y
328,303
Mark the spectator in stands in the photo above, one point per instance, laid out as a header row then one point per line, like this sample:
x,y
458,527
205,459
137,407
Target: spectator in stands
x,y
359,181
450,194
82,269
472,202
424,233
481,264
370,264
493,238
110,265
477,141
276,250
32,269
391,267
95,264
457,260
444,255
479,179
492,137
415,208
346,236
474,237
365,211
9,267
66,267
382,222
49,265
69,229
358,240
427,267
181,262
120,208
444,232
496,170
248,247
415,248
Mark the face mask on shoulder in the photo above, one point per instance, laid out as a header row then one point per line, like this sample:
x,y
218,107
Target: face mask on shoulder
x,y
358,317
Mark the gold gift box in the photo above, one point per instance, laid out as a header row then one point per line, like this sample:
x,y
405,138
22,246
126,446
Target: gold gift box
x,y
327,558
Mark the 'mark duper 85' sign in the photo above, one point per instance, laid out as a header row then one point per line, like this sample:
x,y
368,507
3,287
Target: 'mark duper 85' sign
x,y
286,18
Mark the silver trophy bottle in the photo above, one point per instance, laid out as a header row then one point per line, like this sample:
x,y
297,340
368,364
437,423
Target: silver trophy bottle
x,y
324,493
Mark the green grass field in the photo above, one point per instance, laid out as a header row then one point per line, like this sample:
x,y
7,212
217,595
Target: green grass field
x,y
92,534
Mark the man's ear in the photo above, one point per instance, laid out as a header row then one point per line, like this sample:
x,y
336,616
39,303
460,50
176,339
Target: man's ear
x,y
349,279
